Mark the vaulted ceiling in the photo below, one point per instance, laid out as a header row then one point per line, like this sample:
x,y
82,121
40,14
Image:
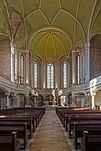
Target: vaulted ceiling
x,y
49,29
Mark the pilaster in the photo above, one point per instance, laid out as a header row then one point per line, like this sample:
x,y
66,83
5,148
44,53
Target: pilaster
x,y
73,67
87,62
27,67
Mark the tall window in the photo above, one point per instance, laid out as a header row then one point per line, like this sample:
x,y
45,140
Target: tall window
x,y
65,74
12,63
16,77
21,69
50,75
78,69
35,75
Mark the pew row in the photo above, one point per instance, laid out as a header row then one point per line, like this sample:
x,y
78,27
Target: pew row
x,y
91,126
82,118
90,142
21,130
10,142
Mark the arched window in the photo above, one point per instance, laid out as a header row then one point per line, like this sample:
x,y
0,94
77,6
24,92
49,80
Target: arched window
x,y
65,74
35,74
22,69
78,69
16,69
50,75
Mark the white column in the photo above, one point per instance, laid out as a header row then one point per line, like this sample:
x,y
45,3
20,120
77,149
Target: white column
x,y
73,67
7,102
56,75
19,62
35,101
81,68
93,100
18,101
27,99
44,75
27,67
32,73
73,100
12,62
16,66
87,62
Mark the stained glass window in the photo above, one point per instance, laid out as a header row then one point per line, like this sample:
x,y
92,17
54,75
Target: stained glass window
x,y
50,75
16,77
64,74
22,69
35,75
78,68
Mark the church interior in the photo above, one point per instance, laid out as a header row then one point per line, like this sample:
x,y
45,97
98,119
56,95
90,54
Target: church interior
x,y
50,75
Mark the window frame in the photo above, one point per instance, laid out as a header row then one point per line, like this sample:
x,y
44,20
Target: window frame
x,y
50,75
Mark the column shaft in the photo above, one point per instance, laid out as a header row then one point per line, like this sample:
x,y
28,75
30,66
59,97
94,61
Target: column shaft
x,y
27,67
73,68
87,62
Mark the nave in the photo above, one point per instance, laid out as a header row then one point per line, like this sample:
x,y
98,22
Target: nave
x,y
50,135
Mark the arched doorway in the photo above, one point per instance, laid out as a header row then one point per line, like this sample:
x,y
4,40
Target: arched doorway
x,y
3,98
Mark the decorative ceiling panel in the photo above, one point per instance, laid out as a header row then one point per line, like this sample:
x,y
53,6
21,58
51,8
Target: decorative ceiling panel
x,y
37,20
2,19
49,28
30,6
16,4
50,9
39,48
79,35
85,13
97,23
70,6
66,25
53,43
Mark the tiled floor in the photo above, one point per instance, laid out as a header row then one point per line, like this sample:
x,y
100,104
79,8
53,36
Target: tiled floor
x,y
49,135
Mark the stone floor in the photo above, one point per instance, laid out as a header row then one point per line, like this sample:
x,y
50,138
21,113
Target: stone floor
x,y
50,135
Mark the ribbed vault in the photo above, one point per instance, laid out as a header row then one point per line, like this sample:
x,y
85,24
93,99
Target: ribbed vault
x,y
49,29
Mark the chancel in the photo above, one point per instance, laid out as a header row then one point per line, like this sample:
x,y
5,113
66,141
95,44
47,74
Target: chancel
x,y
50,75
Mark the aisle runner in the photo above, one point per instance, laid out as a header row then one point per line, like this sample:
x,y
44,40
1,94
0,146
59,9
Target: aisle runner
x,y
50,135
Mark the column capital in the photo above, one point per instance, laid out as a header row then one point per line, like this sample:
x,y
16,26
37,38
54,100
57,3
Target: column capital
x,y
32,59
7,93
12,44
87,44
74,51
26,51
93,93
68,60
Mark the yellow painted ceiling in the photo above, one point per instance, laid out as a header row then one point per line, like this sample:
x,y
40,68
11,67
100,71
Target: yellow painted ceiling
x,y
49,29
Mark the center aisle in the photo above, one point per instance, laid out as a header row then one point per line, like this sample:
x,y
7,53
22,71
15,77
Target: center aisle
x,y
49,135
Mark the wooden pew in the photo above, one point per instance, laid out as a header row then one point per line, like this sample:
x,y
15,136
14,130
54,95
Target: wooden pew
x,y
34,113
93,127
10,142
21,130
65,110
63,113
90,142
18,121
81,118
80,114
